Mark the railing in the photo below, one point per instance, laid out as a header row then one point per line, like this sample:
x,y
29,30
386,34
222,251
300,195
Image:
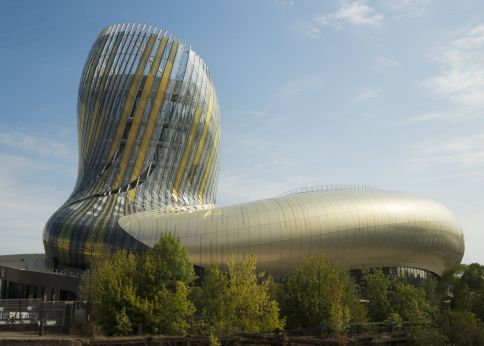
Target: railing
x,y
316,188
63,272
32,311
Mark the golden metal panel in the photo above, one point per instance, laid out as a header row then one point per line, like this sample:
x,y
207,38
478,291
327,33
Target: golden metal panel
x,y
203,137
133,91
186,153
209,167
101,120
155,110
83,98
100,91
420,233
138,115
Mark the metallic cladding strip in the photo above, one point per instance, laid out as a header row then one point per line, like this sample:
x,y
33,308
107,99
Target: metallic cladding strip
x,y
116,92
102,91
198,173
95,165
155,110
87,73
129,64
89,83
203,99
140,109
96,89
190,79
201,85
181,151
99,229
186,152
87,215
82,102
78,214
134,126
208,169
203,138
110,87
177,117
83,116
129,102
95,232
66,231
125,106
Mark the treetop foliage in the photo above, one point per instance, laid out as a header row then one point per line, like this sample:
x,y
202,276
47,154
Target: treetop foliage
x,y
238,301
156,290
150,290
321,294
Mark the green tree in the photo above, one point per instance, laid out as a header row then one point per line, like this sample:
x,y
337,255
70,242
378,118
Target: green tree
x,y
111,284
478,303
210,302
473,276
376,289
411,304
238,301
321,294
164,273
463,286
150,290
462,328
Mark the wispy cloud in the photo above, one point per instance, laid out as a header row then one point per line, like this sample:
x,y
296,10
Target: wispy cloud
x,y
247,112
293,87
36,144
454,115
407,8
284,3
26,204
383,61
35,170
461,79
357,13
464,150
239,187
308,29
365,95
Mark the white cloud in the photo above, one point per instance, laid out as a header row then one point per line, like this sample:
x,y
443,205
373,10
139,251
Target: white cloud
x,y
365,95
383,61
33,178
308,29
291,88
284,3
465,150
407,8
357,13
454,115
461,79
36,144
26,205
240,187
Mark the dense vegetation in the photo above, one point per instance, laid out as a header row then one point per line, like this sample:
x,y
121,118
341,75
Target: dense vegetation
x,y
157,292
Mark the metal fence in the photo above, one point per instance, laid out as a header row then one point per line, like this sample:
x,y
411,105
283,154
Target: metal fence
x,y
32,311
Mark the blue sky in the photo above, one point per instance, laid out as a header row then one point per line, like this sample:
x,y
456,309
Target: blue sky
x,y
384,93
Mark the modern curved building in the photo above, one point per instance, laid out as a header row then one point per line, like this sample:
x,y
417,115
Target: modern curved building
x,y
149,136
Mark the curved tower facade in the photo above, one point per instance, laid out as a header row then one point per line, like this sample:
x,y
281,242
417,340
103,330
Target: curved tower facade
x,y
149,136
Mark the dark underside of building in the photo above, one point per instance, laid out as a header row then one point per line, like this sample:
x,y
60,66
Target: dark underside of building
x,y
26,276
